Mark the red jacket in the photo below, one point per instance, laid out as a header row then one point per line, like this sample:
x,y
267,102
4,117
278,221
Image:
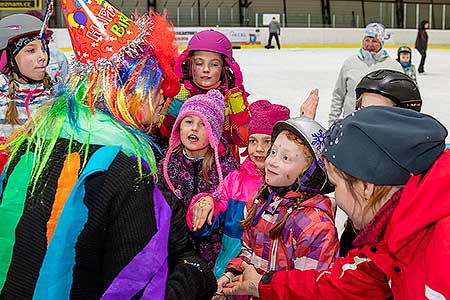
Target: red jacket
x,y
411,261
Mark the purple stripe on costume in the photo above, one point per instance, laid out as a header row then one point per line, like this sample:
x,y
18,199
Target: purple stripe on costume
x,y
148,269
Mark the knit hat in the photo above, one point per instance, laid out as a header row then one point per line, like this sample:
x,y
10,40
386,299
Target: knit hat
x,y
210,108
385,145
265,115
376,31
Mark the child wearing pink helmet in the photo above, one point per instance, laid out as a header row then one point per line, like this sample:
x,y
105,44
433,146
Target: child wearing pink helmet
x,y
207,64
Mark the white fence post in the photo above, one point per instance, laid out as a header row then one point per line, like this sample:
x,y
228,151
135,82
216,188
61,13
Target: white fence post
x,y
430,15
443,16
381,12
392,15
417,15
218,16
404,15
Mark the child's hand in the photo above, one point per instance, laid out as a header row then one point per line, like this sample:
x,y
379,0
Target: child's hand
x,y
202,211
225,279
309,106
245,284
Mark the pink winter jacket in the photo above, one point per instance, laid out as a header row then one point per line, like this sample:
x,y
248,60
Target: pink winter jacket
x,y
229,205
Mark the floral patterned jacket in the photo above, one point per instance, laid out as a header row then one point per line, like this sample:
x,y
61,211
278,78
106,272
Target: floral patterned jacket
x,y
186,176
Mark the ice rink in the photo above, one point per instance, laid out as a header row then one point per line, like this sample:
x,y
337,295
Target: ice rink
x,y
286,76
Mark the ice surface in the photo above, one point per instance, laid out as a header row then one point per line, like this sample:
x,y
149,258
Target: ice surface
x,y
286,76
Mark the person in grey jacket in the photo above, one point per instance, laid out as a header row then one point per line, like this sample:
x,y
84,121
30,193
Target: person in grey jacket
x,y
370,57
274,31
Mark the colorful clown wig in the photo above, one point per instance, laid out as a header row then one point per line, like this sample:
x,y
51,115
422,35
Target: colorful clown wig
x,y
109,91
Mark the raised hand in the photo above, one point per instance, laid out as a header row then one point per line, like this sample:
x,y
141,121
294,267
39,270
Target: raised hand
x,y
309,106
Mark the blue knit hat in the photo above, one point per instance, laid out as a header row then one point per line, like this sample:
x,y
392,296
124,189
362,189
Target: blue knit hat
x,y
385,145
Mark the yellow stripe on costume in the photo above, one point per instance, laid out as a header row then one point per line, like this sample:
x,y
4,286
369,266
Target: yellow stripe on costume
x,y
66,182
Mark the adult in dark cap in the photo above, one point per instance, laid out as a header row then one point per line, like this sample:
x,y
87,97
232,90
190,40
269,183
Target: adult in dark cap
x,y
383,88
402,251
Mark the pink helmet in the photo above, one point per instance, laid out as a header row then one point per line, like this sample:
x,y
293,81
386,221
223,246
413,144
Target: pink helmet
x,y
211,40
214,41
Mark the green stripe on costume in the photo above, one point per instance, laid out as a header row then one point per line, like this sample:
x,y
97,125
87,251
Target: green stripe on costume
x,y
11,210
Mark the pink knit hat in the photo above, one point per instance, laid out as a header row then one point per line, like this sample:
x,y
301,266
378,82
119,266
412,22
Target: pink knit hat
x,y
210,108
265,115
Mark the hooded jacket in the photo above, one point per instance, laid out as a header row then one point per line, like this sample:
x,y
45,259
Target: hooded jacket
x,y
352,71
410,261
237,116
238,187
27,97
187,179
308,241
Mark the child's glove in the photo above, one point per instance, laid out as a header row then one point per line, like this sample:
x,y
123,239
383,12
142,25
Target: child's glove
x,y
231,79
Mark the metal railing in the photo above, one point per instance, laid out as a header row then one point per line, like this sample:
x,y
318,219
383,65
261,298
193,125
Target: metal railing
x,y
211,13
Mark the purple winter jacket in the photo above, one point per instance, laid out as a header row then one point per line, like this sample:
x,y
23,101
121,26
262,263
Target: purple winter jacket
x,y
186,176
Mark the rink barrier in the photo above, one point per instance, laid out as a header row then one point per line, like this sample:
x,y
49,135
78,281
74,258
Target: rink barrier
x,y
292,46
250,37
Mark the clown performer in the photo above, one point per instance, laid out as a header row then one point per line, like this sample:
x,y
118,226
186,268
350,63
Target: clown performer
x,y
82,217
207,64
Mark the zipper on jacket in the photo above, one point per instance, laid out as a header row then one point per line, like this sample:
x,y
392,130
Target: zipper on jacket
x,y
273,258
195,164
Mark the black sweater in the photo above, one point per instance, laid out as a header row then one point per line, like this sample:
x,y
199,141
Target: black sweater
x,y
120,223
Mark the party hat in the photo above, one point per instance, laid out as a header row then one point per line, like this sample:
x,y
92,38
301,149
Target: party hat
x,y
97,29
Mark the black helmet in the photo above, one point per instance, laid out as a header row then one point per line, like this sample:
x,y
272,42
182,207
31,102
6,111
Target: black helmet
x,y
396,86
404,49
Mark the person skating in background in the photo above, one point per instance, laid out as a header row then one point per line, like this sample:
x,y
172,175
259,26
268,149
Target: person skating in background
x,y
207,64
198,159
289,224
370,57
225,206
274,32
404,57
422,44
